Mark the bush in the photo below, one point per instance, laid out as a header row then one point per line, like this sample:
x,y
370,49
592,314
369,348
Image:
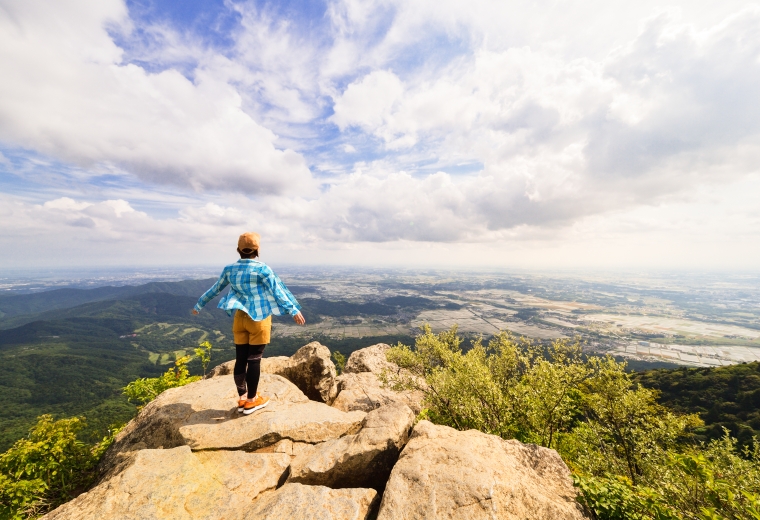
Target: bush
x,y
631,457
340,361
47,468
146,389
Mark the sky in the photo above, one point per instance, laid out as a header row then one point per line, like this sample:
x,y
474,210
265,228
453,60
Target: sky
x,y
543,134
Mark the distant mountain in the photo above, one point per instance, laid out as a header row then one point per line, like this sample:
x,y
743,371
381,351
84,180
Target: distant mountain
x,y
19,309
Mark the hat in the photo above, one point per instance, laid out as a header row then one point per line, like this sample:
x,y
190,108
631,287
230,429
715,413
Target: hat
x,y
249,242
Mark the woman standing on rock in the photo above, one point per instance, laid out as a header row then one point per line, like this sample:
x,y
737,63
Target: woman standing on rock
x,y
255,294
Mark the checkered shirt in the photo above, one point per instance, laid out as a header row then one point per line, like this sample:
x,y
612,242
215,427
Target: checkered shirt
x,y
254,288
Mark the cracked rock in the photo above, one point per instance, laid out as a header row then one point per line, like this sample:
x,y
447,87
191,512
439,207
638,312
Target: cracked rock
x,y
294,501
158,484
359,386
445,473
203,415
361,460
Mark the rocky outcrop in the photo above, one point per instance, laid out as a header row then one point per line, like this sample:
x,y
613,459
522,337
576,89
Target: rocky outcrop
x,y
203,415
361,460
445,473
369,359
360,388
312,370
296,501
189,454
160,484
248,474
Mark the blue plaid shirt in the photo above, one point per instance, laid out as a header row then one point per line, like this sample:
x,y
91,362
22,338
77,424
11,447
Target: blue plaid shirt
x,y
255,289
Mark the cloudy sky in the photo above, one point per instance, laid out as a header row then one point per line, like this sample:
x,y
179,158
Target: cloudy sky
x,y
541,134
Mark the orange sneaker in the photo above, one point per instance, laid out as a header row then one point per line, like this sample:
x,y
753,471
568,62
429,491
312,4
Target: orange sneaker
x,y
256,404
241,405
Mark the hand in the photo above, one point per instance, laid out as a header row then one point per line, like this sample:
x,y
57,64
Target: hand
x,y
195,312
299,319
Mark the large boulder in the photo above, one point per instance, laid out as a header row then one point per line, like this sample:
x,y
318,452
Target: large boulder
x,y
359,386
296,501
365,392
203,415
170,484
445,473
312,370
369,359
361,460
248,474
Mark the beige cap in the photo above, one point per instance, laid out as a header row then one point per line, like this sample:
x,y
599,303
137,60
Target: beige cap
x,y
248,242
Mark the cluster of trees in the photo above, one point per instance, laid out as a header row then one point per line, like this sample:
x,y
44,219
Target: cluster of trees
x,y
631,457
726,398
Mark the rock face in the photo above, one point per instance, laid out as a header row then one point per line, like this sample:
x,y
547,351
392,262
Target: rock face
x,y
361,460
190,455
203,415
248,474
158,484
312,370
445,473
295,501
359,387
370,359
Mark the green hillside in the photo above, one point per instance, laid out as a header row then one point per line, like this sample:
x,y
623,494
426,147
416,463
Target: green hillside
x,y
75,361
16,310
724,397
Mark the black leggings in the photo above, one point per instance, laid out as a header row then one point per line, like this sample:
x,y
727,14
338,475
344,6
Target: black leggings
x,y
250,356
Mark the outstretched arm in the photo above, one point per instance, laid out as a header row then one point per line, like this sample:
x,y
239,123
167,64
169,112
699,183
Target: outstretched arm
x,y
283,297
213,292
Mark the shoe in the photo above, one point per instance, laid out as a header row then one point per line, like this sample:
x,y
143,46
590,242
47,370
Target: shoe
x,y
241,405
257,404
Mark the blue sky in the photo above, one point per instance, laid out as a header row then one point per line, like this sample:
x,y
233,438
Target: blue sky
x,y
577,134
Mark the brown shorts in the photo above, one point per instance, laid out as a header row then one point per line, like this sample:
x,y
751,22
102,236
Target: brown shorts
x,y
245,331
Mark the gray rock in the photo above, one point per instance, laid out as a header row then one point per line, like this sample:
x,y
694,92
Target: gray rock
x,y
364,391
158,484
370,359
360,388
361,460
203,415
296,501
248,474
312,370
445,473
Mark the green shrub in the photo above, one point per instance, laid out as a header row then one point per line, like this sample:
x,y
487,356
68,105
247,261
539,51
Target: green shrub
x,y
47,468
146,389
203,352
340,361
631,457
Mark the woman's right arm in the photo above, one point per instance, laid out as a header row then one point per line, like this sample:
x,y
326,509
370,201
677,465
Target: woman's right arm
x,y
213,292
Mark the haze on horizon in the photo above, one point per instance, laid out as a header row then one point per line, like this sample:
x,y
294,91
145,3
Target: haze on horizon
x,y
547,135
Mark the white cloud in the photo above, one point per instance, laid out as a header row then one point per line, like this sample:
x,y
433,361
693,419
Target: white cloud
x,y
480,123
563,139
66,93
368,102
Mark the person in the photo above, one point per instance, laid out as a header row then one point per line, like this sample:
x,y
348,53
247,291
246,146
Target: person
x,y
256,293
